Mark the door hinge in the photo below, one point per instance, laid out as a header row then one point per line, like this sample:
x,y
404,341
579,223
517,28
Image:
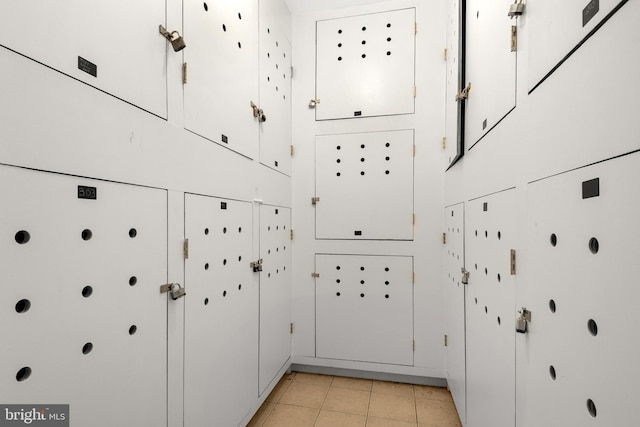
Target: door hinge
x,y
291,328
446,341
315,275
413,278
291,234
464,93
315,200
444,238
292,150
291,71
415,91
446,54
414,345
414,151
444,142
414,219
185,78
415,28
514,38
513,262
185,249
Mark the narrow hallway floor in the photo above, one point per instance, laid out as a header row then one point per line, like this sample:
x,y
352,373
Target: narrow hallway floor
x,y
301,400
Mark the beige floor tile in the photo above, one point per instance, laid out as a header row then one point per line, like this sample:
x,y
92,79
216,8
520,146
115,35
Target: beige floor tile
x,y
352,383
397,389
381,422
262,414
291,416
436,413
339,419
318,379
437,393
346,400
394,407
304,394
279,390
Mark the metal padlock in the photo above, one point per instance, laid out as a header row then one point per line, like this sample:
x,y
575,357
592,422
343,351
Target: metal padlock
x,y
178,42
523,320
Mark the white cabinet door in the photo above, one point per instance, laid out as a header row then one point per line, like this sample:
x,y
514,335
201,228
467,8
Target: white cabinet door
x,y
365,65
114,45
82,315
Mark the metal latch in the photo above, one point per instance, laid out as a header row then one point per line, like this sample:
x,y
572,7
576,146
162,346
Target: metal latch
x,y
516,9
315,200
465,276
523,320
177,42
175,290
464,93
258,113
256,265
313,103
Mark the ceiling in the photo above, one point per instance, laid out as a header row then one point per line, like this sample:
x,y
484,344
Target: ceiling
x,y
302,6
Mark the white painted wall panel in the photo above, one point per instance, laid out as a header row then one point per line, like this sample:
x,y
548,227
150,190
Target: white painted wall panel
x,y
221,312
490,234
574,282
82,309
365,65
490,67
222,61
275,292
365,185
364,308
121,39
454,297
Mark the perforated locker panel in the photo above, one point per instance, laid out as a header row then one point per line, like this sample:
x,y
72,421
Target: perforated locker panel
x,y
365,65
275,291
364,308
364,182
221,312
222,72
454,294
452,87
555,28
490,66
275,97
114,46
490,310
579,360
82,318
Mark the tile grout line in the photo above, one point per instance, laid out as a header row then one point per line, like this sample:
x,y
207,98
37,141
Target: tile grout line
x,y
323,400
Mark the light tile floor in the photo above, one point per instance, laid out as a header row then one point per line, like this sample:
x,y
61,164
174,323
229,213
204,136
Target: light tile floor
x,y
301,400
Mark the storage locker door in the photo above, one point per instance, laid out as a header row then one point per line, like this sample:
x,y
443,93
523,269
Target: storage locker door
x,y
83,321
275,98
221,312
364,308
454,292
275,292
365,65
555,28
490,67
114,46
364,183
490,235
222,72
579,360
